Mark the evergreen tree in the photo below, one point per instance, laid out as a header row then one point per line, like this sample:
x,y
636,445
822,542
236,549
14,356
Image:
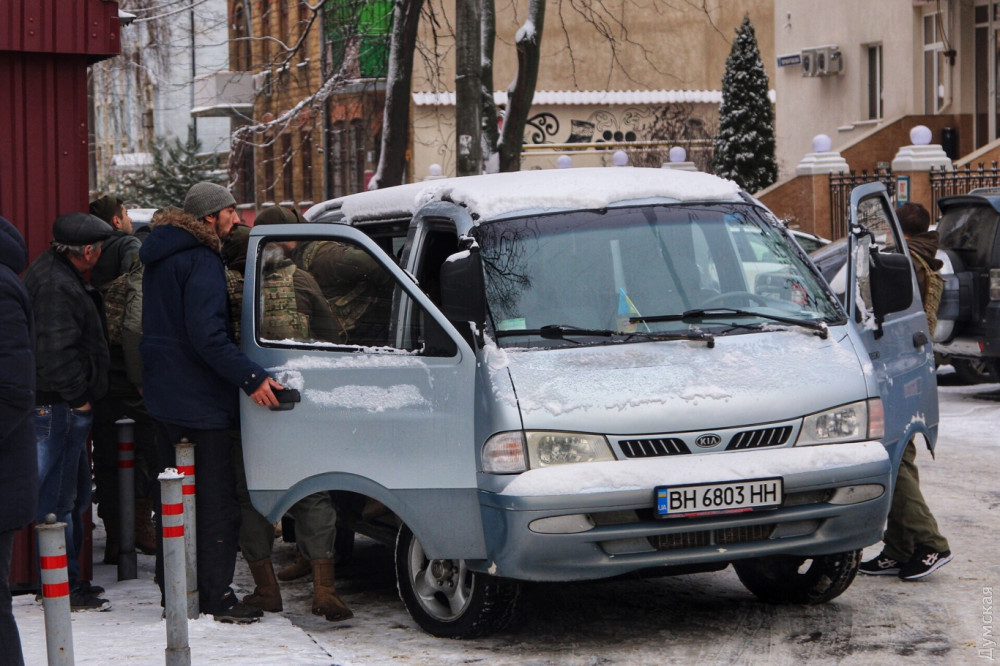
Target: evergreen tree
x,y
177,165
744,146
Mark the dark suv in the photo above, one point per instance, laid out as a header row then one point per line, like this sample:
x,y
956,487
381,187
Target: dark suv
x,y
968,229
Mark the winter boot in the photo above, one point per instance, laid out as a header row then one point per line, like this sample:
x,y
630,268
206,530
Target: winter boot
x,y
325,599
297,569
145,528
111,545
267,595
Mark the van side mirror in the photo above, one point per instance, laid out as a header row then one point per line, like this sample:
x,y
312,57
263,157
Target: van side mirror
x,y
891,283
463,290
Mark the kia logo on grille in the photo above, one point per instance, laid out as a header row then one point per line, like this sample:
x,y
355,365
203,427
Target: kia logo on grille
x,y
708,441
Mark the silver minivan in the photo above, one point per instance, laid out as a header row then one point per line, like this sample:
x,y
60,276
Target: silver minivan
x,y
577,374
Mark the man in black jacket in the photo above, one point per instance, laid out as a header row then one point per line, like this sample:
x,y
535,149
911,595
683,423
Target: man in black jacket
x,y
18,462
121,250
71,372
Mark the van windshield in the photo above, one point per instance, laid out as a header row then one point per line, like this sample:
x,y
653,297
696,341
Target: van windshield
x,y
629,274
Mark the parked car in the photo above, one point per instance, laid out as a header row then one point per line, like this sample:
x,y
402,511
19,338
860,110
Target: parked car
x,y
968,228
807,241
577,374
141,217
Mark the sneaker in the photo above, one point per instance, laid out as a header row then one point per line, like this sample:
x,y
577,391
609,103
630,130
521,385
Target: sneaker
x,y
234,611
924,560
881,565
89,588
81,600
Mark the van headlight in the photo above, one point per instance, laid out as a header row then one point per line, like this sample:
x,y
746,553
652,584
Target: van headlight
x,y
854,422
513,452
561,448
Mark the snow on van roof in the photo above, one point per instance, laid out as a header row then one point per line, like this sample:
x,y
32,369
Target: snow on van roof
x,y
493,195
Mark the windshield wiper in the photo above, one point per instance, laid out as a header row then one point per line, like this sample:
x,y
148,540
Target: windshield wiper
x,y
675,335
559,332
710,313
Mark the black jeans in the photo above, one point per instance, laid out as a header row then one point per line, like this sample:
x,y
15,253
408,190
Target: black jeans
x,y
10,640
216,505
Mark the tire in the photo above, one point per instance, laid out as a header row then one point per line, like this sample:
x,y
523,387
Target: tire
x,y
445,598
974,371
789,579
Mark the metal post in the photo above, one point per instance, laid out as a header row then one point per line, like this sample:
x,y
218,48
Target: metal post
x,y
55,591
178,653
185,465
127,565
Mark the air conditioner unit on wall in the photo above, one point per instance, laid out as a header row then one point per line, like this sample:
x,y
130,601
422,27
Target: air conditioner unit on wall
x,y
829,60
808,62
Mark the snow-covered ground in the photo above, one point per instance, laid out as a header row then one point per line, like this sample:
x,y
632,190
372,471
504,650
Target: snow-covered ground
x,y
704,618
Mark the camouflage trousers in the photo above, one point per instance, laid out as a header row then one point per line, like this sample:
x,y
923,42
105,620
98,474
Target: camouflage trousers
x,y
315,521
910,520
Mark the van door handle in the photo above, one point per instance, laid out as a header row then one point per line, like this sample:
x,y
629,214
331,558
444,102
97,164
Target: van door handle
x,y
919,339
286,400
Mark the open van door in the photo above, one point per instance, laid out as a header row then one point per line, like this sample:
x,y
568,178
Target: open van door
x,y
385,415
883,299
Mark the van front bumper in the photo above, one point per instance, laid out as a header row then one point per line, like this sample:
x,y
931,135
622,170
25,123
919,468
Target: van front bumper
x,y
606,512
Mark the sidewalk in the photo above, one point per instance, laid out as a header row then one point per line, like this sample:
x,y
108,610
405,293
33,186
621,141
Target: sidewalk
x,y
132,632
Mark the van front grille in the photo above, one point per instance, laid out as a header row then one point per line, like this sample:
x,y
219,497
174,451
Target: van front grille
x,y
729,535
755,439
649,448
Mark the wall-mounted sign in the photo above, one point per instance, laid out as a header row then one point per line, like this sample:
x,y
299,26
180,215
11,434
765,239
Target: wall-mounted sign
x,y
902,190
791,59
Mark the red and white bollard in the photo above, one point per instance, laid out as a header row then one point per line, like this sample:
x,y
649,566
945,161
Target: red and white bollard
x,y
127,564
55,591
184,452
178,653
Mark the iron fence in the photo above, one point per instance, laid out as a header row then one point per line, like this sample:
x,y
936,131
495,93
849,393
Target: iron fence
x,y
841,185
961,181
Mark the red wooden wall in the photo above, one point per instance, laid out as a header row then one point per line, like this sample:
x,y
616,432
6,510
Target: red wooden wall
x,y
45,47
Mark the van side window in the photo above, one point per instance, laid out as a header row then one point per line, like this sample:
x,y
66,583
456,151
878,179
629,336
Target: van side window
x,y
312,292
875,216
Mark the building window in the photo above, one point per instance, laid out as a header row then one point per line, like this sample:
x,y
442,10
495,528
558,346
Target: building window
x,y
305,154
287,172
268,189
241,55
244,186
337,162
937,72
265,31
357,156
874,82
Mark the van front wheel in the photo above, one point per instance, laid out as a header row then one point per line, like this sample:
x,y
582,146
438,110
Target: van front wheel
x,y
789,579
448,600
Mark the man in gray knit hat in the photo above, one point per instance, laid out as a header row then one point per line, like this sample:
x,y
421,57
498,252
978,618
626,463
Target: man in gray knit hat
x,y
214,204
192,371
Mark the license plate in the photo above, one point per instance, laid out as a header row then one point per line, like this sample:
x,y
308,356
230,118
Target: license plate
x,y
707,498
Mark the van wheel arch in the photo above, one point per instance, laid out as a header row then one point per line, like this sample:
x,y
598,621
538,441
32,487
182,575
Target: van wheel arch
x,y
447,599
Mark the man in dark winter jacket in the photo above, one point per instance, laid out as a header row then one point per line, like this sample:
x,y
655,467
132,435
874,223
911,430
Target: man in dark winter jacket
x,y
121,250
71,370
913,545
18,460
192,371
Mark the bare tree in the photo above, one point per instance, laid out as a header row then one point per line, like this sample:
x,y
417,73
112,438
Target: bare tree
x,y
396,117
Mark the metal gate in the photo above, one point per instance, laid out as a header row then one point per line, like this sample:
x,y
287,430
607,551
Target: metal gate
x,y
841,185
961,181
